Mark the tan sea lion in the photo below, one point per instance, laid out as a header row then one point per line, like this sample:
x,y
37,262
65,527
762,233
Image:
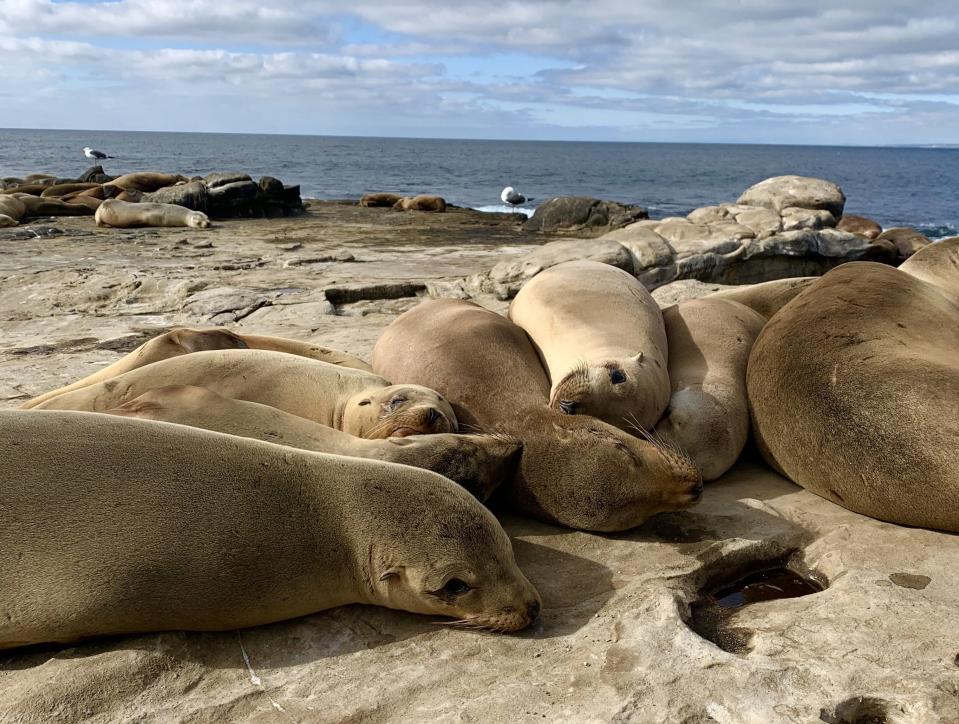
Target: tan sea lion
x,y
602,340
575,470
39,206
767,298
61,190
380,199
7,221
185,340
422,202
115,526
854,394
937,264
480,463
353,401
39,177
146,181
708,415
29,189
124,214
12,207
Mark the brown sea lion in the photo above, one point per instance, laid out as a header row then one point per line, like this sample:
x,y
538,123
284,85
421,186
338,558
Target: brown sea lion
x,y
602,340
708,415
766,298
937,264
146,181
354,401
854,393
115,526
380,199
422,202
13,207
61,190
39,206
480,463
184,340
575,470
123,215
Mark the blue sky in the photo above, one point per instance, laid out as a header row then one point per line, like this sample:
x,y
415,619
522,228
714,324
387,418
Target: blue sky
x,y
760,71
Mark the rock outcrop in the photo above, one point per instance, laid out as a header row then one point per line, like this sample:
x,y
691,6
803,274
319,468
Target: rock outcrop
x,y
783,192
581,213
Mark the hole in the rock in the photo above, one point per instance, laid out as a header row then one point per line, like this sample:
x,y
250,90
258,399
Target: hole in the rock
x,y
858,710
759,581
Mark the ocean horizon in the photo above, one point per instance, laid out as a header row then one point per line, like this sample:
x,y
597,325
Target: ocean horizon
x,y
895,185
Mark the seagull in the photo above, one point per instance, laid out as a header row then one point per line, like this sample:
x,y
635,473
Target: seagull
x,y
94,155
512,197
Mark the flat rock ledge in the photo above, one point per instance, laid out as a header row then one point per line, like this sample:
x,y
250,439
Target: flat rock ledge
x,y
772,237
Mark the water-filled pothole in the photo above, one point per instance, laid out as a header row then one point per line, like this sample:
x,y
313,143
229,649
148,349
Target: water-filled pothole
x,y
763,581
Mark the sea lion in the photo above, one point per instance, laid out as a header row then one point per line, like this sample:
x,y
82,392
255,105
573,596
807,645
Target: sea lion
x,y
29,189
602,339
353,401
379,199
184,340
421,202
937,264
39,206
39,177
13,207
7,221
575,470
124,214
146,181
854,393
115,526
708,416
767,298
480,463
61,190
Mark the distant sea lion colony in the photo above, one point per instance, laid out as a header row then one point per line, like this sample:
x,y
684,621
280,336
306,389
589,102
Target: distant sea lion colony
x,y
211,480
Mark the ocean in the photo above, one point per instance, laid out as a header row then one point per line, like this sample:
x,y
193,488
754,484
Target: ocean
x,y
895,186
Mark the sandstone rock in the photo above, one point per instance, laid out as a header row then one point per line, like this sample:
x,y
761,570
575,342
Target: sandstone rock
x,y
222,305
708,214
797,218
193,195
578,213
95,174
683,290
859,225
271,189
506,278
763,222
782,192
653,257
907,241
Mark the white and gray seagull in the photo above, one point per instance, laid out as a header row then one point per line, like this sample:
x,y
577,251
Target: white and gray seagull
x,y
512,197
94,155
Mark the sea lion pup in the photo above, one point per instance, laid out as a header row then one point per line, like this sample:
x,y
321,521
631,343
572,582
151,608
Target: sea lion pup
x,y
353,401
146,181
575,470
422,202
937,264
184,340
125,214
708,416
480,463
117,526
766,298
380,199
854,391
602,340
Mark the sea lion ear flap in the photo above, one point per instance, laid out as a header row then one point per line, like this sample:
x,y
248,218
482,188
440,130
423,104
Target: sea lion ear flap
x,y
393,572
638,358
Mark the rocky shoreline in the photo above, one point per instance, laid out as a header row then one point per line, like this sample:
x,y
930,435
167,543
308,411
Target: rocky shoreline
x,y
618,639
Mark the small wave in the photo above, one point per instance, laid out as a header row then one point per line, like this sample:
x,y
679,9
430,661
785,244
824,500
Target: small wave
x,y
504,209
936,232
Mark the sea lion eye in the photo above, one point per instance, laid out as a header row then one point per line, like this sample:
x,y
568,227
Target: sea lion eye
x,y
363,402
617,376
396,402
456,587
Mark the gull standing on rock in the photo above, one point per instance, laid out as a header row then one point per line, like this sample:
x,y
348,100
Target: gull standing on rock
x,y
512,197
94,155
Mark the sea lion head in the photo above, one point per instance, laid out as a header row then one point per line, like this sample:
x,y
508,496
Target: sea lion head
x,y
608,389
198,220
450,557
598,477
398,411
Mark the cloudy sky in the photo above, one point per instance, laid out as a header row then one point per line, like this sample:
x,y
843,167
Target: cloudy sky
x,y
766,71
